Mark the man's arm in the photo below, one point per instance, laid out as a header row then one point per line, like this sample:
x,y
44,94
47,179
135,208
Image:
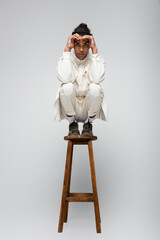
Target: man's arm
x,y
65,69
94,50
97,69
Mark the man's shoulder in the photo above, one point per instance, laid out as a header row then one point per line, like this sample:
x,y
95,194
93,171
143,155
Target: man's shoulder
x,y
98,57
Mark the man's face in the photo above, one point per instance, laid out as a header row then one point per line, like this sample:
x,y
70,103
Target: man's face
x,y
81,48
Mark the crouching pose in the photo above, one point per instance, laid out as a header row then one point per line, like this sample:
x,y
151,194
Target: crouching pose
x,y
80,98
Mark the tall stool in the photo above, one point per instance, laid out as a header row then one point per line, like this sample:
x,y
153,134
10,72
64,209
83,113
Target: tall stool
x,y
67,196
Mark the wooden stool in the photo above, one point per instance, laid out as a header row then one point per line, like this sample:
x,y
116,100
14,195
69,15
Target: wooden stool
x,y
67,196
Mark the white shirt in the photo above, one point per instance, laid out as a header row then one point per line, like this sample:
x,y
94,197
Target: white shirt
x,y
81,73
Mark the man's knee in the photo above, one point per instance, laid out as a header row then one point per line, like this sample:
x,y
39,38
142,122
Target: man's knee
x,y
67,89
95,90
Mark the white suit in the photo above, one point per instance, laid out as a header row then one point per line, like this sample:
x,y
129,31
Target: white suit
x,y
80,93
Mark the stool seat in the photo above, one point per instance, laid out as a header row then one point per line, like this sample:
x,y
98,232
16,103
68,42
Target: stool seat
x,y
80,138
68,196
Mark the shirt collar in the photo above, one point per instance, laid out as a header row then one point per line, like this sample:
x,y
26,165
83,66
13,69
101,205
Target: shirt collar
x,y
79,61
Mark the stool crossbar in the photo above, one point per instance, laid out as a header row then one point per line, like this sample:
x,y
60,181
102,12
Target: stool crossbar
x,y
67,196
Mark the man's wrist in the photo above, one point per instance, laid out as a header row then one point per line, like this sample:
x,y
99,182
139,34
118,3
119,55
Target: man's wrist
x,y
67,49
94,50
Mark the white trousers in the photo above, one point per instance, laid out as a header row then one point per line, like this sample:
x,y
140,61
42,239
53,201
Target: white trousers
x,y
81,106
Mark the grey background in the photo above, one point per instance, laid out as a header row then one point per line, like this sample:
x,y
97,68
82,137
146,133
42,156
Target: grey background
x,y
33,37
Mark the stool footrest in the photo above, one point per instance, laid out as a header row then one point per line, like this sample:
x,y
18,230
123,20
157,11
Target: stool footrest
x,y
79,197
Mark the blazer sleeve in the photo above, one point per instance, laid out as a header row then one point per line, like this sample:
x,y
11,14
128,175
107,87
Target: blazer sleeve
x,y
65,68
97,69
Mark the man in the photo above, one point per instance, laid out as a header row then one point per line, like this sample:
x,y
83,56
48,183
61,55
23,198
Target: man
x,y
80,98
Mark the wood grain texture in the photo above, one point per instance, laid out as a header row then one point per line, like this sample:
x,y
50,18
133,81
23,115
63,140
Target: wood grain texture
x,y
80,138
94,187
67,196
65,185
68,186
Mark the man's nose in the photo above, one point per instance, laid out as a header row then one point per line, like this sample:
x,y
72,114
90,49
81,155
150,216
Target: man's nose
x,y
81,49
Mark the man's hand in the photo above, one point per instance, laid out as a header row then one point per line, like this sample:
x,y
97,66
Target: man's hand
x,y
92,43
70,42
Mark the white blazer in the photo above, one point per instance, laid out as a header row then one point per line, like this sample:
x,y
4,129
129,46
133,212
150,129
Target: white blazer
x,y
70,68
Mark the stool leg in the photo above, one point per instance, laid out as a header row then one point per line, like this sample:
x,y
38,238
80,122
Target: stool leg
x,y
94,186
65,183
68,187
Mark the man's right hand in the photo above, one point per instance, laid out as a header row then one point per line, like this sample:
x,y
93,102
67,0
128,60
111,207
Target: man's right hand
x,y
70,42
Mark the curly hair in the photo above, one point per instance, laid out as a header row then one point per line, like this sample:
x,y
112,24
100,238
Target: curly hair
x,y
82,30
